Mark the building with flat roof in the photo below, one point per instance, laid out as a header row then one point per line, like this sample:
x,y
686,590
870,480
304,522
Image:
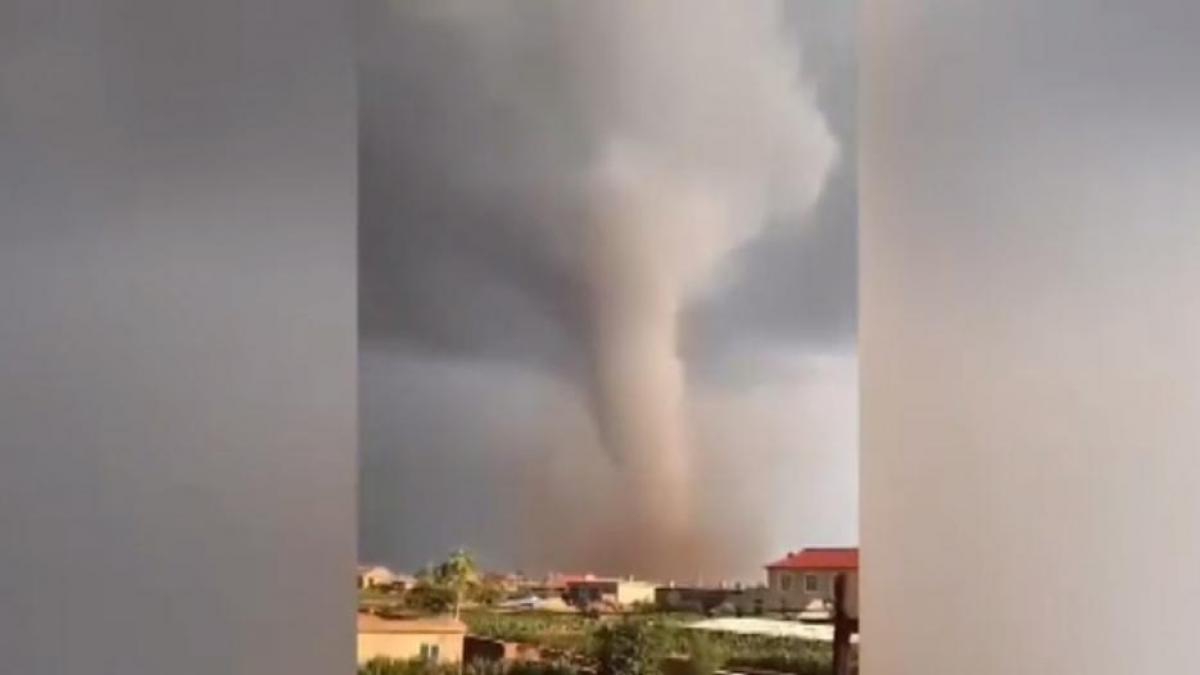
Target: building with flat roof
x,y
371,576
436,639
703,599
617,592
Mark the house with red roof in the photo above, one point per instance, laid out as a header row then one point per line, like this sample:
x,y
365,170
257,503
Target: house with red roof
x,y
804,578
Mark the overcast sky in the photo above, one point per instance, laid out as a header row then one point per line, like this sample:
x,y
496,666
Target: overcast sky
x,y
475,431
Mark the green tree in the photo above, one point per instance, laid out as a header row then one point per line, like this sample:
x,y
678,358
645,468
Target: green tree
x,y
488,592
428,596
459,575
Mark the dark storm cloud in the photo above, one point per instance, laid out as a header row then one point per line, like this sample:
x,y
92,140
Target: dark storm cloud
x,y
797,285
420,242
435,151
461,320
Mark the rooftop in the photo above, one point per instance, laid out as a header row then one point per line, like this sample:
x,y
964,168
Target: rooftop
x,y
818,559
368,623
591,579
771,627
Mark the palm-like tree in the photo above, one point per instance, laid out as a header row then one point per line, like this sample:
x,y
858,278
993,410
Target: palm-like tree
x,y
459,574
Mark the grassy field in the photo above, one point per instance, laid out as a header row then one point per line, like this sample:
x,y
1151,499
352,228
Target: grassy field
x,y
572,636
378,600
554,630
575,634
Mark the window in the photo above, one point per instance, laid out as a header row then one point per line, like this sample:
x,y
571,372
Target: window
x,y
812,583
785,581
429,652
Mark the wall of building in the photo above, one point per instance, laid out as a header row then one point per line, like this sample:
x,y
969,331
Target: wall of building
x,y
622,592
772,598
375,578
408,646
586,592
476,648
630,592
1030,337
177,337
696,599
789,586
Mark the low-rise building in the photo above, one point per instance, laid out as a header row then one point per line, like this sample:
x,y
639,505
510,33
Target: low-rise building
x,y
374,576
507,582
704,599
554,585
438,639
617,592
477,648
802,579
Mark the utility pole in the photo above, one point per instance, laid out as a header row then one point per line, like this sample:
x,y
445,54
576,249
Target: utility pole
x,y
843,627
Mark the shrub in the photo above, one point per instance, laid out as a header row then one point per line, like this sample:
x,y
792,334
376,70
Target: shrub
x,y
705,656
427,597
541,668
629,648
583,642
386,666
